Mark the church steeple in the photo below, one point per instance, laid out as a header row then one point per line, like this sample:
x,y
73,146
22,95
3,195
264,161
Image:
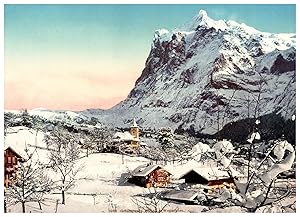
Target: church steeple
x,y
134,131
134,124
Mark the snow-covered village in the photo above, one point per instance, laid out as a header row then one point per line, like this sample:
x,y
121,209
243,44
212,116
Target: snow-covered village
x,y
208,126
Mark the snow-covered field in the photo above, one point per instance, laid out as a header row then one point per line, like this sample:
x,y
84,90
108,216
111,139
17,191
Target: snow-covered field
x,y
100,180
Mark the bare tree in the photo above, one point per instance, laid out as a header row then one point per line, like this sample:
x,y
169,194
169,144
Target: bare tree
x,y
111,203
63,155
30,185
103,139
87,143
150,202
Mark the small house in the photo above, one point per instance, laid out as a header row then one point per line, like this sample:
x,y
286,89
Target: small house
x,y
11,159
212,177
150,176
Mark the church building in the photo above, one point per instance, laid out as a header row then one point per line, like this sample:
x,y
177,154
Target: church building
x,y
131,137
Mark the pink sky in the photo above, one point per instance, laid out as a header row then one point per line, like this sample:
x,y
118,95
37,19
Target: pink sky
x,y
68,84
89,56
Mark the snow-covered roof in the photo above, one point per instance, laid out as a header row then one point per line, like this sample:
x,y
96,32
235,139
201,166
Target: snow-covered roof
x,y
145,170
18,149
126,136
21,138
181,195
212,173
19,154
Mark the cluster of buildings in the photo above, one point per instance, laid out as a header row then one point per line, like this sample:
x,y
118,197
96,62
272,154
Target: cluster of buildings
x,y
156,176
147,176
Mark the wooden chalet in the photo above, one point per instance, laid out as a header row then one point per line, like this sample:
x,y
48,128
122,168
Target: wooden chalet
x,y
11,159
150,176
213,178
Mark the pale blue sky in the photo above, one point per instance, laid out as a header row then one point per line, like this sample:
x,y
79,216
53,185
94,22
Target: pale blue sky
x,y
93,27
100,50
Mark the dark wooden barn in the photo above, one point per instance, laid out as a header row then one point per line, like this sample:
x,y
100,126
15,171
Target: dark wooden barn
x,y
150,176
211,177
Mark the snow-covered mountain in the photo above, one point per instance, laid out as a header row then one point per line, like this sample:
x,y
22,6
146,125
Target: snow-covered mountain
x,y
202,76
208,73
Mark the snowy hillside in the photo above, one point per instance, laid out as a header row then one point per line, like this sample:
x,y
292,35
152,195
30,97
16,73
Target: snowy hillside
x,y
208,73
55,116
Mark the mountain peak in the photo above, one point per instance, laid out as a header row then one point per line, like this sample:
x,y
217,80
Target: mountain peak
x,y
202,14
203,20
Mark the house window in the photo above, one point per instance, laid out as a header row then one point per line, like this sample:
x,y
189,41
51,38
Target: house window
x,y
14,160
9,160
160,179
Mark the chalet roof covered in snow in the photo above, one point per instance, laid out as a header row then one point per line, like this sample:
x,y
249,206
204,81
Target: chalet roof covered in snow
x,y
145,170
181,195
17,153
212,173
21,138
18,150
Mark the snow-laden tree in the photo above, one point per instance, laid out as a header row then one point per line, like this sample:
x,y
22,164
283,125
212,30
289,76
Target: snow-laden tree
x,y
9,120
166,138
64,151
87,143
31,183
26,119
200,152
258,189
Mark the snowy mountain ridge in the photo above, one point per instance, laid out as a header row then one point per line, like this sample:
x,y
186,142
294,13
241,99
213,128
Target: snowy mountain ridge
x,y
209,73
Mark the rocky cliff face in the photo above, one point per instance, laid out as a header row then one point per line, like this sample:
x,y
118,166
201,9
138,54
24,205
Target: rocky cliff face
x,y
210,73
